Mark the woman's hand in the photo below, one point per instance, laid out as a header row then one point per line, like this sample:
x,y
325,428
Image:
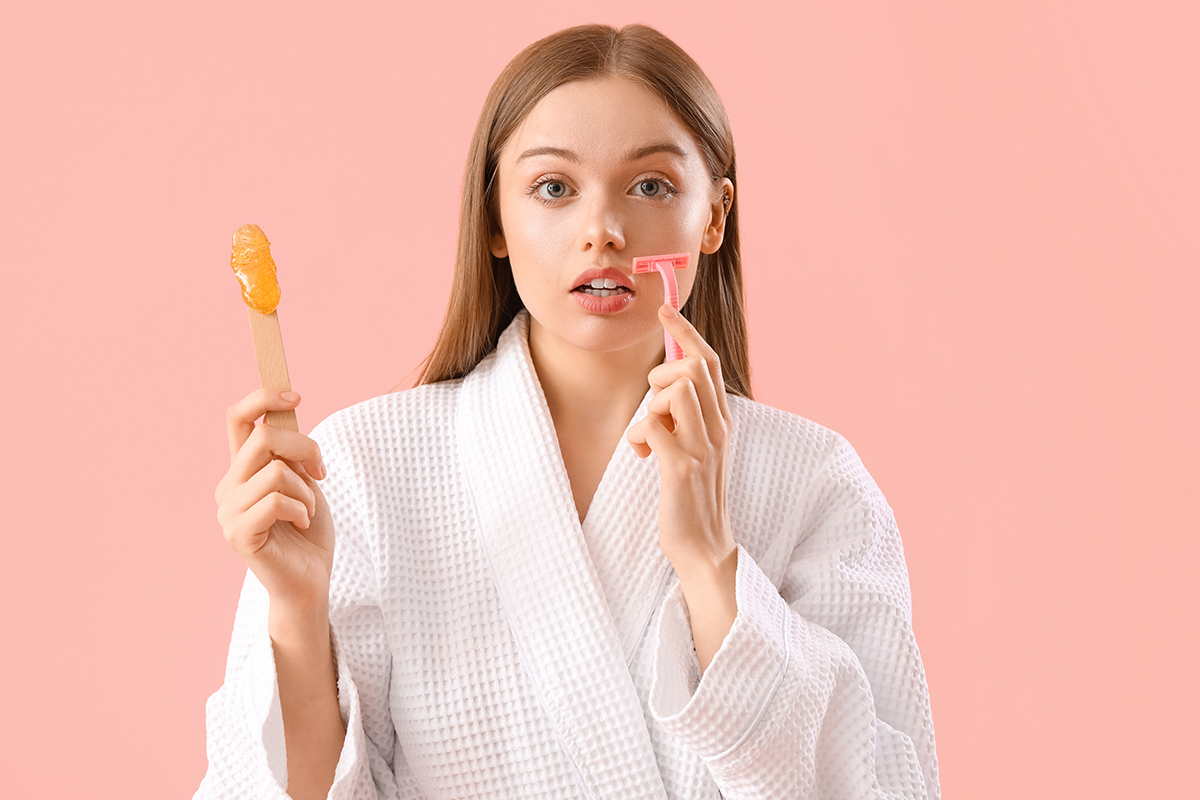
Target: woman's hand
x,y
270,508
687,427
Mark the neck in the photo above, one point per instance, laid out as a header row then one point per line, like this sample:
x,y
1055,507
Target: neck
x,y
599,390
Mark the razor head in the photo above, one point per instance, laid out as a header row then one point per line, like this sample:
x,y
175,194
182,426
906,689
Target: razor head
x,y
651,263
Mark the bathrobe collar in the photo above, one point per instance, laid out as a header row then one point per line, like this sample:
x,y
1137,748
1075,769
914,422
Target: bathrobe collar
x,y
557,600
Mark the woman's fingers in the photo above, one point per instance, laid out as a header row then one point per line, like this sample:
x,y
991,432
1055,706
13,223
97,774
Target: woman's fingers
x,y
688,414
652,434
681,406
694,371
249,532
270,508
277,476
240,416
694,346
266,443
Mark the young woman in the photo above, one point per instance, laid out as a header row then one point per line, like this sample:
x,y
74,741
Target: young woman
x,y
562,566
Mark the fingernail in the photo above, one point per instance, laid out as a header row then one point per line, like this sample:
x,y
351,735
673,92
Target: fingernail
x,y
669,311
324,472
289,397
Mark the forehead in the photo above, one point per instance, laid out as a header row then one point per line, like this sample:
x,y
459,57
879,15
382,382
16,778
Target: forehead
x,y
600,118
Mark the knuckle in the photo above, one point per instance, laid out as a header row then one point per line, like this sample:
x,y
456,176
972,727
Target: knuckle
x,y
237,537
255,437
260,437
682,470
718,439
279,470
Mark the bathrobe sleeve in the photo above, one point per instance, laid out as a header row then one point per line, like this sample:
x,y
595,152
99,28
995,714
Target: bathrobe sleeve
x,y
247,756
818,690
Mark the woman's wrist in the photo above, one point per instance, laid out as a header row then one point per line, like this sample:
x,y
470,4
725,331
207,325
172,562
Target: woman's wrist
x,y
710,592
297,624
706,569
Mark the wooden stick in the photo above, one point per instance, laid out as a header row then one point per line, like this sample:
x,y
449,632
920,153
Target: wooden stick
x,y
272,366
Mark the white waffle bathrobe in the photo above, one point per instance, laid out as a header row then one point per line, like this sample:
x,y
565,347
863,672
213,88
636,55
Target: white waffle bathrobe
x,y
488,645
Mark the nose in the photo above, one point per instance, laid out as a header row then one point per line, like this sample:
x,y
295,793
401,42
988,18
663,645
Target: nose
x,y
603,227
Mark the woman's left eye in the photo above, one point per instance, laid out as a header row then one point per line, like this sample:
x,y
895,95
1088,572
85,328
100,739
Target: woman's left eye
x,y
652,187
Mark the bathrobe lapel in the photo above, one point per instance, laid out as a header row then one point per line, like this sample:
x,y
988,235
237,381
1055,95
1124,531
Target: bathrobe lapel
x,y
621,532
552,593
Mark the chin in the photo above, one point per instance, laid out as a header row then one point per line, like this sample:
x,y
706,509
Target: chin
x,y
597,333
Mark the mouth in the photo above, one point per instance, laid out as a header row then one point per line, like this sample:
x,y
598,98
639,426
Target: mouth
x,y
602,287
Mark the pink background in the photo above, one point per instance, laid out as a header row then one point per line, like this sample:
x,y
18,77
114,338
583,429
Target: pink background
x,y
971,247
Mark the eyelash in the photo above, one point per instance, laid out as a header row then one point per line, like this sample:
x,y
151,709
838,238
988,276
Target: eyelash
x,y
668,189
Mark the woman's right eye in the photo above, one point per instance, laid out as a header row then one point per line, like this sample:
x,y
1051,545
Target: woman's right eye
x,y
552,190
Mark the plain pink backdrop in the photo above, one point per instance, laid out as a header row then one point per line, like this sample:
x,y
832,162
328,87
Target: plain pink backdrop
x,y
971,247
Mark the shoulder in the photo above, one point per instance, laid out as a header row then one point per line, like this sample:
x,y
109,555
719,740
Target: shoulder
x,y
776,453
791,478
411,416
764,431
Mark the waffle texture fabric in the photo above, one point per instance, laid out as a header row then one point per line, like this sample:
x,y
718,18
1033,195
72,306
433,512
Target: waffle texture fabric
x,y
489,645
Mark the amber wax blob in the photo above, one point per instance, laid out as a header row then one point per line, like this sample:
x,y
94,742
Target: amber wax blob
x,y
255,269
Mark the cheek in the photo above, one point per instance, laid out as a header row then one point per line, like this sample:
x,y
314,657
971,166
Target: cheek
x,y
698,220
531,232
685,224
686,279
538,255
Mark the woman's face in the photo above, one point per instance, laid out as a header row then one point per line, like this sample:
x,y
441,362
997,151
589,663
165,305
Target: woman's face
x,y
601,172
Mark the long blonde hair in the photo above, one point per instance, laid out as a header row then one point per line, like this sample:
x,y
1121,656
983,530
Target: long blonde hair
x,y
483,298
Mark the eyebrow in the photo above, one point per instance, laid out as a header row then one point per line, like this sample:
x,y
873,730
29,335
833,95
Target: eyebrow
x,y
634,155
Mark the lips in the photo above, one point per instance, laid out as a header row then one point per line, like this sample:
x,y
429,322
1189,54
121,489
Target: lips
x,y
610,279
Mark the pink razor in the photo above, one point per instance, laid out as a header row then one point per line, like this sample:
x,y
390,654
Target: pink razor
x,y
666,266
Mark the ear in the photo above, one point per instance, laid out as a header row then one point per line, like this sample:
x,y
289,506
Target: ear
x,y
714,234
499,245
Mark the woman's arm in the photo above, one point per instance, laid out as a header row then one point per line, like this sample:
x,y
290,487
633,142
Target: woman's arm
x,y
275,517
711,597
687,427
312,723
819,694
306,661
818,688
